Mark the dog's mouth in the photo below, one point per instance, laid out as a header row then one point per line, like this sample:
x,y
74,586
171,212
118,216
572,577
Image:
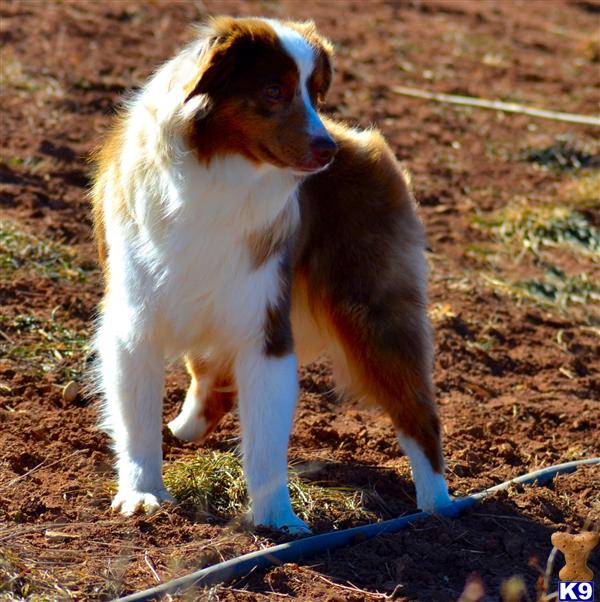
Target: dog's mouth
x,y
306,167
271,157
310,168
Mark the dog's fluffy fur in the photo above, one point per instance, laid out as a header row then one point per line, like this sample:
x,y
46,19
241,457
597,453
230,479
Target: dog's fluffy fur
x,y
229,236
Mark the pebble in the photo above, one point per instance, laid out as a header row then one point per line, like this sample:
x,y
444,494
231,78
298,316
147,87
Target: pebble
x,y
70,392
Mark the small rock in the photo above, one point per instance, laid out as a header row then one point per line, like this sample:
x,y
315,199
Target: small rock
x,y
70,392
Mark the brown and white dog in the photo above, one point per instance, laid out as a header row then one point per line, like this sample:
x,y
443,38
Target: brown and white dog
x,y
240,229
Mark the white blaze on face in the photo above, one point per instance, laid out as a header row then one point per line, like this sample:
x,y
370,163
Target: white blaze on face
x,y
304,56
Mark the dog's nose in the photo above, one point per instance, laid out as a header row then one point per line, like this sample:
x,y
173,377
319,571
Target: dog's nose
x,y
323,149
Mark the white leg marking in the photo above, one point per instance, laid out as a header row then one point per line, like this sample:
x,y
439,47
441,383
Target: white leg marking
x,y
268,388
190,424
432,491
132,379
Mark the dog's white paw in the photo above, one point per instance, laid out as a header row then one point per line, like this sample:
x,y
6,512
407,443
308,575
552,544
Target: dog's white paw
x,y
188,428
443,505
284,521
294,526
433,496
132,502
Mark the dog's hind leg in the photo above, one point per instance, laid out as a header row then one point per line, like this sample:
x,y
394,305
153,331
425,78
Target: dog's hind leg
x,y
386,356
211,395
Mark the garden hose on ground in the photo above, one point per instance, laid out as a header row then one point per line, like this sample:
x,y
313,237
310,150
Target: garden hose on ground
x,y
318,544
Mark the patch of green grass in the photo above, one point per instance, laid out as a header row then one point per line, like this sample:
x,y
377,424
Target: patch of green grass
x,y
40,344
563,155
533,228
578,294
542,243
23,251
44,346
32,163
211,481
557,288
14,579
214,483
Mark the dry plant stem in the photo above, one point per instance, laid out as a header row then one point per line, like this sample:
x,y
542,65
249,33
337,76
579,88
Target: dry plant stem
x,y
354,589
497,105
41,465
150,564
548,573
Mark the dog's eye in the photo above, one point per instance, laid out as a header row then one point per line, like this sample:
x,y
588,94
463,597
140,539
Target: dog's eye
x,y
273,93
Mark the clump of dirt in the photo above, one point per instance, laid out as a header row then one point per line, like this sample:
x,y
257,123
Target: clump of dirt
x,y
517,368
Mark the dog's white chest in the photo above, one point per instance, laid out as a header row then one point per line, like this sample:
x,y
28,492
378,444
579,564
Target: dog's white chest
x,y
212,296
211,292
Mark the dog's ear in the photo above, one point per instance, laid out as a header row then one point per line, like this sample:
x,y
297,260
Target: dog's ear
x,y
323,73
217,70
230,43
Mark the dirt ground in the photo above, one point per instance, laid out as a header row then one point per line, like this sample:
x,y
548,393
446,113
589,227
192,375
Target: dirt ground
x,y
512,213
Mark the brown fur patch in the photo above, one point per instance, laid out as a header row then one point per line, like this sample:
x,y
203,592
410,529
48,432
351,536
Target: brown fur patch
x,y
271,240
222,395
321,77
105,161
361,255
231,39
246,56
278,326
220,400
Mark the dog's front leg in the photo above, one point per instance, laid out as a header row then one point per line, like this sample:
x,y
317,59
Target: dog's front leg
x,y
267,390
132,380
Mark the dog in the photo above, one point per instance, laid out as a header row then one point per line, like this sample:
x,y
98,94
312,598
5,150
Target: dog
x,y
240,229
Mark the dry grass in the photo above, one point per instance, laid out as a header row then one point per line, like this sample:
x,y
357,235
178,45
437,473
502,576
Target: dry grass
x,y
583,191
213,483
16,76
43,346
546,252
531,229
23,252
40,576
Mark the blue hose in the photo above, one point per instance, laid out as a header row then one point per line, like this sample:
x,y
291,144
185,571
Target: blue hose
x,y
317,544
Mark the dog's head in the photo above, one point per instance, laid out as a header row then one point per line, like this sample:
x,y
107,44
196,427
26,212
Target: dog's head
x,y
263,81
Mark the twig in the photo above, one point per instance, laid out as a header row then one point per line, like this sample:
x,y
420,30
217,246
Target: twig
x,y
353,588
497,105
40,465
548,572
245,591
516,518
150,563
5,336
